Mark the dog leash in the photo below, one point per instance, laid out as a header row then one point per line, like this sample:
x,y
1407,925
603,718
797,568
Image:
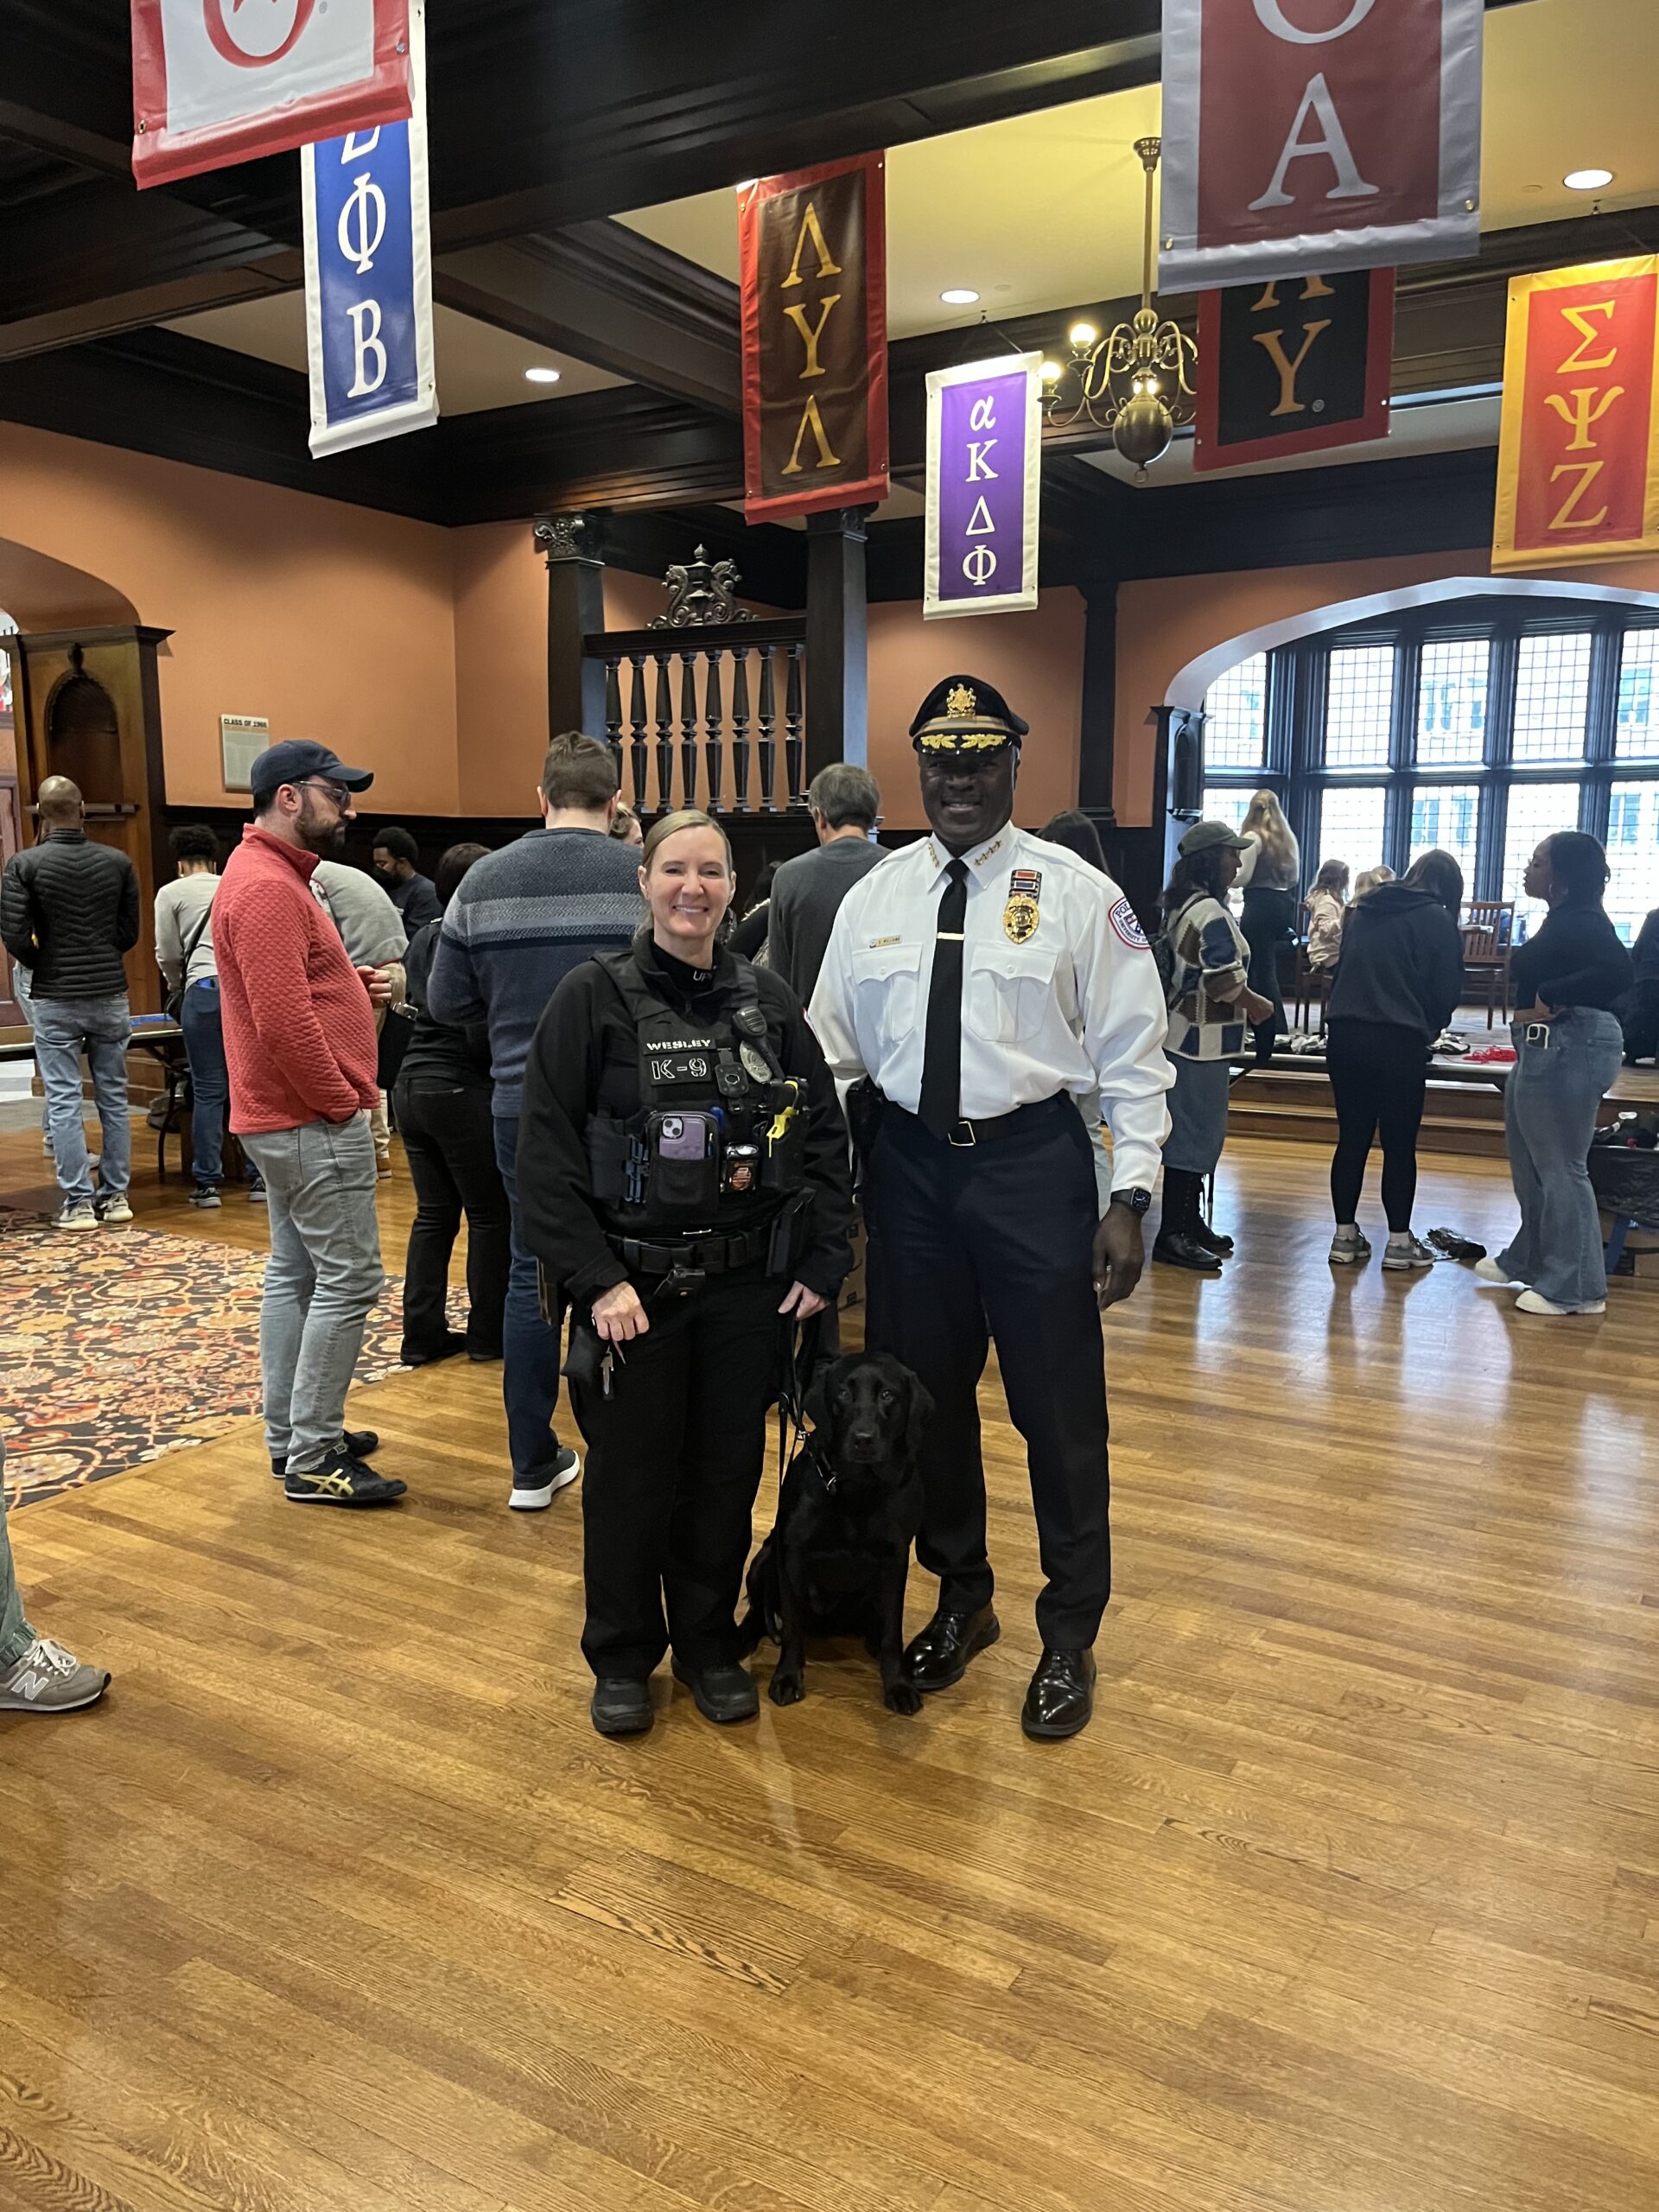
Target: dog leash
x,y
791,1405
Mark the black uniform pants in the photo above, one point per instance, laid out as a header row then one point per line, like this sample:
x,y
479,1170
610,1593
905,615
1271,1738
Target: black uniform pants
x,y
995,1241
674,1460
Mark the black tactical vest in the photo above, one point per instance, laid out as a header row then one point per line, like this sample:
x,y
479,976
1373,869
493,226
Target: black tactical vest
x,y
720,1138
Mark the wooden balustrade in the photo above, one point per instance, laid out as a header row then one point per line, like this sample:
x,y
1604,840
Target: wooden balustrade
x,y
645,669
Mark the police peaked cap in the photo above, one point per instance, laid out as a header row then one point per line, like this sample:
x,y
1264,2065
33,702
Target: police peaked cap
x,y
964,714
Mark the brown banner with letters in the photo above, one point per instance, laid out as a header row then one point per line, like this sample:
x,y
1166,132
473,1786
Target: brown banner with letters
x,y
814,255
1293,367
1578,456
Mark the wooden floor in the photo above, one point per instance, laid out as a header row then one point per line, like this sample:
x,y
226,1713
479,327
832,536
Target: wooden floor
x,y
1349,1901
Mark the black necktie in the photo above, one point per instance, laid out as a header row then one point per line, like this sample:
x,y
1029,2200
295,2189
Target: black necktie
x,y
940,1106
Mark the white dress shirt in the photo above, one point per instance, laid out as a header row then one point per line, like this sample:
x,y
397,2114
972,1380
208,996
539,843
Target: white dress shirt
x,y
1065,998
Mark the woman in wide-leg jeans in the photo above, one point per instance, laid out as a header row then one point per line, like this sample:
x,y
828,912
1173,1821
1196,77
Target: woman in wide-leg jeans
x,y
1563,1070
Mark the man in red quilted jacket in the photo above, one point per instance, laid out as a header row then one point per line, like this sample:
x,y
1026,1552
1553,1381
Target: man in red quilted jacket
x,y
301,1047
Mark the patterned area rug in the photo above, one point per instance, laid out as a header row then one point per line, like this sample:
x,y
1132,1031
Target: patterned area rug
x,y
115,1349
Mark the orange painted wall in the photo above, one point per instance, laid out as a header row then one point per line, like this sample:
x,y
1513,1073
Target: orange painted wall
x,y
332,620
1035,661
1164,623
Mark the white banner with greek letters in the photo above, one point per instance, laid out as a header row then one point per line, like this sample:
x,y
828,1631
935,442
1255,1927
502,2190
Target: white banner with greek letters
x,y
368,276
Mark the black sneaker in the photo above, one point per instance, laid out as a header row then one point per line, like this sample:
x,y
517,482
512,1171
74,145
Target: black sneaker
x,y
355,1444
721,1695
340,1481
621,1708
535,1493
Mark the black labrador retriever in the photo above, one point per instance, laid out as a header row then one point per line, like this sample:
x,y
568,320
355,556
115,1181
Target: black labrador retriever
x,y
838,1556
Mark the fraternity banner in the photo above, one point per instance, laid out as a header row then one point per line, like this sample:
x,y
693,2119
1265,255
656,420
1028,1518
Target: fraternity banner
x,y
1357,144
1578,455
814,252
368,276
984,479
217,81
1293,367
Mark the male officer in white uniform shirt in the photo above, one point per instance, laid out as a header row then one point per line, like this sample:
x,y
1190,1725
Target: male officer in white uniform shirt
x,y
985,981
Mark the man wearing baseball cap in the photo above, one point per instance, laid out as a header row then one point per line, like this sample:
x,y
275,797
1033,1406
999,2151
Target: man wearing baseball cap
x,y
301,1046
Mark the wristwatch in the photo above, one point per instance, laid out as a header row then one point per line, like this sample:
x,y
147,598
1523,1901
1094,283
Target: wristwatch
x,y
1138,1201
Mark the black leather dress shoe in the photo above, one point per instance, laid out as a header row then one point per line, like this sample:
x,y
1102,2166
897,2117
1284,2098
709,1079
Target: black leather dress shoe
x,y
1212,1240
1062,1695
939,1656
621,1708
354,1443
1181,1250
721,1695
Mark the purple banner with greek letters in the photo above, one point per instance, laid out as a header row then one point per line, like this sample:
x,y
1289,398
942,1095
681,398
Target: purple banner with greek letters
x,y
984,477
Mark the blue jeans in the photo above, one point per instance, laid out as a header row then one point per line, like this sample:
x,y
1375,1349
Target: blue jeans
x,y
103,1028
323,1278
210,1082
15,1634
530,1349
1549,1117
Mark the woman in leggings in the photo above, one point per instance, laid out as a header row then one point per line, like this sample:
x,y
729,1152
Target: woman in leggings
x,y
1397,987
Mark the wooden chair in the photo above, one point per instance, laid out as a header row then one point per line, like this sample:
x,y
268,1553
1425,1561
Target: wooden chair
x,y
1488,930
1313,984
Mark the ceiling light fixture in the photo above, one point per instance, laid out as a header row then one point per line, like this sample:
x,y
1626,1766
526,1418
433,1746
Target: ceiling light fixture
x,y
1587,180
959,295
541,376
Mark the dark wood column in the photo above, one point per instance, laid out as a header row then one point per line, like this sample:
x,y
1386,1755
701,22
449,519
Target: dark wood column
x,y
837,645
575,610
1098,763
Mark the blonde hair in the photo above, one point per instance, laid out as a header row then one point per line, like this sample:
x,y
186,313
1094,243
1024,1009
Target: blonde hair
x,y
1265,819
669,825
1368,879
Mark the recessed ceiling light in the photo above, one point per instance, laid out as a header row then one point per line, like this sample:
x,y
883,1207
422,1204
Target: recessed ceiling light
x,y
541,376
960,296
1587,180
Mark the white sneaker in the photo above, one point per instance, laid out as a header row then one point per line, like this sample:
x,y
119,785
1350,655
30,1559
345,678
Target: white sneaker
x,y
1407,1252
529,1499
48,1679
75,1213
1488,1271
114,1208
1530,1302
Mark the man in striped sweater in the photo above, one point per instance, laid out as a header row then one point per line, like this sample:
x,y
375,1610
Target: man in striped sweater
x,y
521,921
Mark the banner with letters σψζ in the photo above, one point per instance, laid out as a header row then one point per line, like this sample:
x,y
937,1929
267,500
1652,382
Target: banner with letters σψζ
x,y
984,485
217,81
368,278
1303,134
1294,366
814,255
1578,455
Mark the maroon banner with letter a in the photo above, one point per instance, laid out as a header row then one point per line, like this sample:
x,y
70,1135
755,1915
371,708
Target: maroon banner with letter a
x,y
1293,367
814,255
217,81
1305,134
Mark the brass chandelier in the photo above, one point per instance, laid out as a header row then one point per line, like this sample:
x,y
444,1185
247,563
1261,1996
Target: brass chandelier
x,y
1137,381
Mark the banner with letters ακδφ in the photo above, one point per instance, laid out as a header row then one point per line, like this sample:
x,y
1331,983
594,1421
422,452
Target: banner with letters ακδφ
x,y
1578,453
813,250
1296,365
984,487
368,278
1305,134
218,82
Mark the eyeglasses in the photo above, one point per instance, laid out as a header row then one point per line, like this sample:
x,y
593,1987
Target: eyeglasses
x,y
338,792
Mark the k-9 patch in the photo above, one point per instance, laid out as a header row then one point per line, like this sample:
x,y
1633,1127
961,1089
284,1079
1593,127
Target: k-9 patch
x,y
1127,923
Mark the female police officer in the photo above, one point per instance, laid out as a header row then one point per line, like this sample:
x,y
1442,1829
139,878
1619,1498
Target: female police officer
x,y
684,1177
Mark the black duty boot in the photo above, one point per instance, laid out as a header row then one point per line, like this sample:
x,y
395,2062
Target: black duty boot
x,y
721,1695
621,1707
1179,1245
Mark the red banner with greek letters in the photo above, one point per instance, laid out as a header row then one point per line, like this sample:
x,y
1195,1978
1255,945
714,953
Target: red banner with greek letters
x,y
1578,457
1308,135
218,82
814,255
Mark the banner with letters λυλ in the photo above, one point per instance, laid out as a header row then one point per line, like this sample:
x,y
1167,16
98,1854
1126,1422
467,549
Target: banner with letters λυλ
x,y
1294,366
218,82
368,276
1578,453
814,255
1303,134
984,484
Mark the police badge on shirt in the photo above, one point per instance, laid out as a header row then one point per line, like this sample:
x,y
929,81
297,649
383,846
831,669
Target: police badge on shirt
x,y
1024,911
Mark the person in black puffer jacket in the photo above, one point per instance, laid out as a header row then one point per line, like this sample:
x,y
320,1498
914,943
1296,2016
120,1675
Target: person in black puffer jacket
x,y
1397,986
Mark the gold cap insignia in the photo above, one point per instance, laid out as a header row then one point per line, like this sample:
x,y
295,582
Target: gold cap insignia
x,y
962,701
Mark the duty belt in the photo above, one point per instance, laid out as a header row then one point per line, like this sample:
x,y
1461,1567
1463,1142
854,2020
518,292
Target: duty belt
x,y
964,1134
708,1252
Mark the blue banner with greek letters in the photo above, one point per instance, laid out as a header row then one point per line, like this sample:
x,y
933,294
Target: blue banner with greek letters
x,y
368,278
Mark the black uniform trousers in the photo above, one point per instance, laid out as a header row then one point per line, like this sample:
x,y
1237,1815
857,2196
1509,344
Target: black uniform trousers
x,y
995,1241
674,1460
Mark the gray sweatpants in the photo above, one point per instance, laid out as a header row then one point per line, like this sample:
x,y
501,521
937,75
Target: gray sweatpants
x,y
323,1276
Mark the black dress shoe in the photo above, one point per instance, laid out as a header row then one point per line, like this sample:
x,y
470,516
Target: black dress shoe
x,y
1182,1250
721,1695
621,1708
1212,1240
939,1656
355,1444
1062,1695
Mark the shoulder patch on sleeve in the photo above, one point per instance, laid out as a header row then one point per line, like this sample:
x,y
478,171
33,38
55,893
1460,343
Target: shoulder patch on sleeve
x,y
1127,923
